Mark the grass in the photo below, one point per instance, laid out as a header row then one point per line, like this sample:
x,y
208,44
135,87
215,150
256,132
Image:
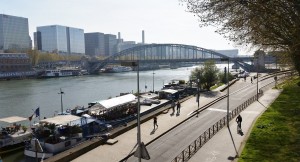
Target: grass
x,y
216,86
275,136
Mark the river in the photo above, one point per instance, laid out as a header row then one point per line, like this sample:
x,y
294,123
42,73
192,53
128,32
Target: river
x,y
22,97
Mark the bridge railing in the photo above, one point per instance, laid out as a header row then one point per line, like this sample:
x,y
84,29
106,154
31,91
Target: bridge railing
x,y
189,151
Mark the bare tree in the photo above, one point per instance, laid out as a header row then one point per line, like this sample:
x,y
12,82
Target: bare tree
x,y
267,24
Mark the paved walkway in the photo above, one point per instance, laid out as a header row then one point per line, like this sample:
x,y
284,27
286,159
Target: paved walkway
x,y
221,148
127,141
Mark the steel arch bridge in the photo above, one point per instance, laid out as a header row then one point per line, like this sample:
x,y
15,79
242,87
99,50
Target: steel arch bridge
x,y
159,54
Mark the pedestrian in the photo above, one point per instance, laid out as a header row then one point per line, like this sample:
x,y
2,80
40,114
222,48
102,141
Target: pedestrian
x,y
245,78
178,107
155,122
239,122
173,106
251,80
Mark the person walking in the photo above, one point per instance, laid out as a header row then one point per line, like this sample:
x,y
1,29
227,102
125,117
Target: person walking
x,y
155,122
251,80
178,107
239,122
173,106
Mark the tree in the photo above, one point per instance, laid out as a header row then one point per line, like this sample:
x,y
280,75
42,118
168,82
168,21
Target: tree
x,y
34,56
273,25
207,74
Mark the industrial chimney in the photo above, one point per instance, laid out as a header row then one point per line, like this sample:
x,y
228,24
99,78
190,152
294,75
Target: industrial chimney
x,y
143,37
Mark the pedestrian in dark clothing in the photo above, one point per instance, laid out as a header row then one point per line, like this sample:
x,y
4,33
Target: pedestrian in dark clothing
x,y
155,122
245,78
239,122
178,107
173,106
251,80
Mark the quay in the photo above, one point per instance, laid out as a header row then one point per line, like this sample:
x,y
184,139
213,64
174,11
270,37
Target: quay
x,y
126,135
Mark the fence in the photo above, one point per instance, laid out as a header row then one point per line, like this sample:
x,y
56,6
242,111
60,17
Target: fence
x,y
188,152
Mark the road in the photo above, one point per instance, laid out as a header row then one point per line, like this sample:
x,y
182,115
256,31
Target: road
x,y
171,144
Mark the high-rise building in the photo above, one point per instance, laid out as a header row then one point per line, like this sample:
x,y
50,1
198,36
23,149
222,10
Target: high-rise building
x,y
60,39
94,44
111,42
14,33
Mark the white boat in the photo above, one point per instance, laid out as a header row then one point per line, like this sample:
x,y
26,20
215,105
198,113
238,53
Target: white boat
x,y
14,135
116,69
60,73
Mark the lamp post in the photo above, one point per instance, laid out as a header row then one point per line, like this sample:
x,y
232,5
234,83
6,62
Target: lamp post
x,y
153,80
136,64
61,101
227,80
257,78
198,91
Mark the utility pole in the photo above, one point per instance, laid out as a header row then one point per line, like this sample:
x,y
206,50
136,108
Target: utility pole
x,y
61,101
153,80
198,90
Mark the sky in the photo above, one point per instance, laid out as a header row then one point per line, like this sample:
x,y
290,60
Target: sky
x,y
164,21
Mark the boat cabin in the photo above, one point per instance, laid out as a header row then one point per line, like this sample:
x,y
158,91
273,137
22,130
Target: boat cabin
x,y
13,133
114,108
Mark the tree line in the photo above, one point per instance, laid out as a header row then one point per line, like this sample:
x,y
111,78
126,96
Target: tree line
x,y
270,25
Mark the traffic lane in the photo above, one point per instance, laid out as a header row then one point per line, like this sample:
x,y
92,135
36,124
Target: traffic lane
x,y
170,145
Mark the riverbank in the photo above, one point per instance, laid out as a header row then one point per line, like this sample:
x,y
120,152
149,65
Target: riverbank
x,y
275,135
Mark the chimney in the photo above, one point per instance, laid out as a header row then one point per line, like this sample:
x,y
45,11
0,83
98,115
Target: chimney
x,y
143,37
119,37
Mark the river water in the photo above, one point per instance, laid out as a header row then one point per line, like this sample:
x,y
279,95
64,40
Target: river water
x,y
22,97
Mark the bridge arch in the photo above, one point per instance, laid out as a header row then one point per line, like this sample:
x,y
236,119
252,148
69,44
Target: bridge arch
x,y
159,53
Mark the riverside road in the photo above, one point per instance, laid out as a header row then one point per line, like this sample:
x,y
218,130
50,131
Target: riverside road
x,y
167,147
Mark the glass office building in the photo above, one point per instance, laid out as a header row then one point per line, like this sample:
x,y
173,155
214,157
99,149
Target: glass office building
x,y
94,44
110,43
59,39
14,33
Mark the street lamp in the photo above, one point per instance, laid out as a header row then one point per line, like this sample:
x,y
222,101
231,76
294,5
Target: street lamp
x,y
257,78
227,79
153,80
198,91
61,102
136,64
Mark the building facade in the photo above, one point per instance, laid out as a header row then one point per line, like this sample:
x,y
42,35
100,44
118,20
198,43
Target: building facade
x,y
125,45
229,53
14,33
59,39
110,43
14,62
94,44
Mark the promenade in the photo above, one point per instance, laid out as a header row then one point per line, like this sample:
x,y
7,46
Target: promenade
x,y
219,148
127,141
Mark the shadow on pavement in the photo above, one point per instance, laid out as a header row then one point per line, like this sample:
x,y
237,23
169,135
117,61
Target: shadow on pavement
x,y
233,145
211,94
